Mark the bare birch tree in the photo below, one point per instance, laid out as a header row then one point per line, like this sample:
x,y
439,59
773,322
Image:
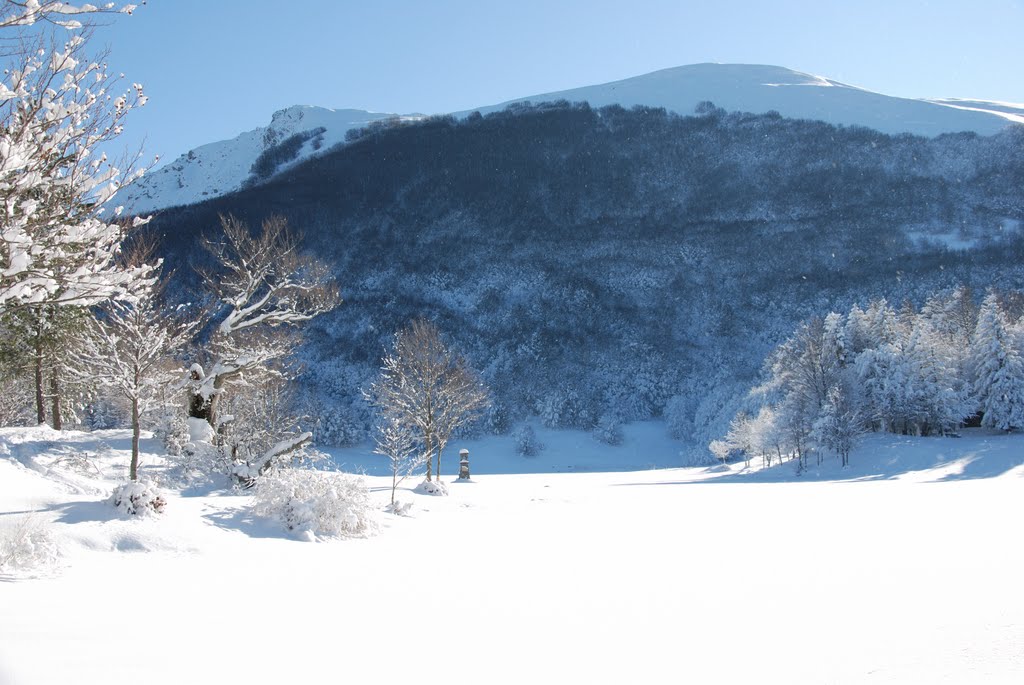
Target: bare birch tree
x,y
395,440
425,385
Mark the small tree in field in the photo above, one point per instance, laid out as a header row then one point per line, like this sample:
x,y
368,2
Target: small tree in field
x,y
425,385
128,348
395,440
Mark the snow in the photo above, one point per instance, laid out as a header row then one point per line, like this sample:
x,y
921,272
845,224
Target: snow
x,y
1011,111
905,567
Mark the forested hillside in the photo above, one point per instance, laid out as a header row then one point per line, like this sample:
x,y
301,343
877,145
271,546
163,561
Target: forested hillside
x,y
607,265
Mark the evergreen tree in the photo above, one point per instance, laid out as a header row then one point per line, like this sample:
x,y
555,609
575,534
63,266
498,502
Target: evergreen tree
x,y
998,369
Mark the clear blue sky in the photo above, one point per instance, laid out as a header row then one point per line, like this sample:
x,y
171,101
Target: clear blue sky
x,y
215,68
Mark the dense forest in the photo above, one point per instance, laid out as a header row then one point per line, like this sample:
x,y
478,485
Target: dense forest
x,y
601,266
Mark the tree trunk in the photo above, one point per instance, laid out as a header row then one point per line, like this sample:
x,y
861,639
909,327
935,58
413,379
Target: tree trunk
x,y
40,396
201,408
429,447
58,420
133,471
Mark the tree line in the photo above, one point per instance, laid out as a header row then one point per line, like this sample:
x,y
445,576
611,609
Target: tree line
x,y
927,371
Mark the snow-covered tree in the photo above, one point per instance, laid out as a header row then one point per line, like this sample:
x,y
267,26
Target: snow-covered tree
x,y
426,385
262,284
57,108
840,423
998,369
396,441
129,349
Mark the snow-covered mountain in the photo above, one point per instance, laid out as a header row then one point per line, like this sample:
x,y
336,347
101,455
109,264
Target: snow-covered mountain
x,y
295,133
218,168
760,88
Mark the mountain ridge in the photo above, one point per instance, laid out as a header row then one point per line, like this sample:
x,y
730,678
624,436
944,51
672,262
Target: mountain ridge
x,y
217,168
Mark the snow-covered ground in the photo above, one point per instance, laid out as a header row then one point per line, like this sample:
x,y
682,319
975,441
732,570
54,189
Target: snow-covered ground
x,y
905,568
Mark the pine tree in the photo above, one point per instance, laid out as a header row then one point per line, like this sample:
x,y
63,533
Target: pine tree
x,y
998,369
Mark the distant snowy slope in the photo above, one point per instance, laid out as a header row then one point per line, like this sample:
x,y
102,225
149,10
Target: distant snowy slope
x,y
1011,111
222,167
760,88
292,136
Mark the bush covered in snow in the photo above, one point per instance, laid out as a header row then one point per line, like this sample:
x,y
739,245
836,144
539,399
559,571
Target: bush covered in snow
x,y
171,429
27,545
138,498
432,487
398,508
527,443
314,504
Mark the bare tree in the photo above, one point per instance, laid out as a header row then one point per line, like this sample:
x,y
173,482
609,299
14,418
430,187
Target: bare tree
x,y
424,384
128,349
262,284
395,440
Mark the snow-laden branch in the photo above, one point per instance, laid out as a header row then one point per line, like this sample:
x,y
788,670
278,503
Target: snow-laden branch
x,y
16,13
56,108
247,473
264,281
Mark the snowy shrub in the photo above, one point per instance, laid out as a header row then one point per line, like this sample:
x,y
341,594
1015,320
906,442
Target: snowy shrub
x,y
313,504
432,487
199,457
609,430
398,508
199,460
171,429
27,545
526,441
138,498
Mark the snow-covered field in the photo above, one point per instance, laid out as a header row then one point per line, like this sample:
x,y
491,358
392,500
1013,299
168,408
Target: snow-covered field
x,y
907,567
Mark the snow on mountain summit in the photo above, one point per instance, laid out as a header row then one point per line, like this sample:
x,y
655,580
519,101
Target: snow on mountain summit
x,y
298,132
761,88
218,168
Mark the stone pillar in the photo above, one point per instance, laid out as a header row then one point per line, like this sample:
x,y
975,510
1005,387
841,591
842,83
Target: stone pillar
x,y
463,464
